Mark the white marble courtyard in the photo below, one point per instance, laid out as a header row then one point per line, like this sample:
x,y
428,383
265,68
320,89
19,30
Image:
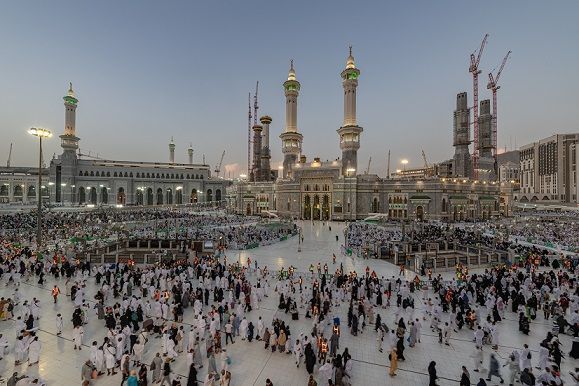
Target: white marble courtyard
x,y
251,364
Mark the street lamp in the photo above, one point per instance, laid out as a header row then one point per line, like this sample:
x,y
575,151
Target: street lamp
x,y
40,133
404,162
349,173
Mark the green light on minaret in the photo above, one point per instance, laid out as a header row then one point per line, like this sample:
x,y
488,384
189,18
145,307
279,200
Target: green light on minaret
x,y
70,97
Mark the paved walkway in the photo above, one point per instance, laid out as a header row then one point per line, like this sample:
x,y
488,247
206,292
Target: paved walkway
x,y
251,364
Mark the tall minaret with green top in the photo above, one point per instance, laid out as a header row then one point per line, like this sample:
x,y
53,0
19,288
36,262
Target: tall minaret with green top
x,y
69,140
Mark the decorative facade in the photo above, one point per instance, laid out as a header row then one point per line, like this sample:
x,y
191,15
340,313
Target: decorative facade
x,y
334,190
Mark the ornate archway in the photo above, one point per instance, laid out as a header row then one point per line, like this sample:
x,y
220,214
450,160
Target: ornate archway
x,y
307,208
209,195
248,209
139,197
150,196
326,208
159,196
193,198
81,195
121,199
420,213
93,196
104,195
179,196
375,205
218,195
316,208
169,195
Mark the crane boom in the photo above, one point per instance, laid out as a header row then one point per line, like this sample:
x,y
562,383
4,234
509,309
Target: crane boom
x,y
426,166
219,165
493,86
473,69
249,135
9,156
368,168
255,105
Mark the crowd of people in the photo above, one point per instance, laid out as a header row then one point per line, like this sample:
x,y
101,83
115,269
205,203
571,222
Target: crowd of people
x,y
150,316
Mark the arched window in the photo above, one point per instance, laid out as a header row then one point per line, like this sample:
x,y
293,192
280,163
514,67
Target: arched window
x,y
444,204
108,174
131,174
92,173
209,195
80,173
97,174
218,195
138,175
126,174
114,174
86,174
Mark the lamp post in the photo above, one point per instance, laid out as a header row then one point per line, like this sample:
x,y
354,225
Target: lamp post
x,y
349,172
72,196
40,133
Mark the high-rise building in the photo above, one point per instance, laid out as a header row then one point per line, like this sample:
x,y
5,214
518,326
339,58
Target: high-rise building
x,y
548,170
461,137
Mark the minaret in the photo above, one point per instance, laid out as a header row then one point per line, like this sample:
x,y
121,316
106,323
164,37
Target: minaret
x,y
190,153
461,137
290,138
69,140
265,153
256,173
172,151
350,131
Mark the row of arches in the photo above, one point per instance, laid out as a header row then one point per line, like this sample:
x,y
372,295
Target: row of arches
x,y
21,191
171,176
146,196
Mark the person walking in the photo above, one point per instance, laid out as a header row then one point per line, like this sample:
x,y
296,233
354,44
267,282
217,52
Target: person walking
x,y
432,374
192,378
55,293
86,373
464,377
393,362
166,372
143,375
132,380
156,367
494,369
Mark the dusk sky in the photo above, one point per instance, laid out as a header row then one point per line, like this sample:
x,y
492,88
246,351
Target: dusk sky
x,y
146,70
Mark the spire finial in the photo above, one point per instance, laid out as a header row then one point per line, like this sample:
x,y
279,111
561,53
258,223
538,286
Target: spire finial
x,y
70,90
292,72
350,50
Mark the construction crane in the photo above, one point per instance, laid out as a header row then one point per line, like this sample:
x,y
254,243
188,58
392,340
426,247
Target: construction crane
x,y
426,165
493,86
9,156
473,69
388,166
255,106
249,136
218,167
89,155
368,168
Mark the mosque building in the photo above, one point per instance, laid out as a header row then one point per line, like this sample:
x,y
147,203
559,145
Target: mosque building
x,y
73,179
336,190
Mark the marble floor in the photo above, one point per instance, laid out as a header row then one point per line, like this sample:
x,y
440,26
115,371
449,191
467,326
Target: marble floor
x,y
251,364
